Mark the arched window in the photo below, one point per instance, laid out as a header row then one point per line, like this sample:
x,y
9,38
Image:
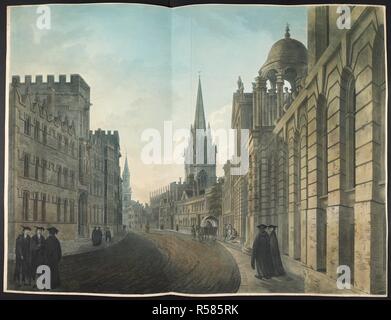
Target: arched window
x,y
323,147
25,206
36,168
202,179
349,100
26,165
35,207
43,207
58,209
59,176
65,210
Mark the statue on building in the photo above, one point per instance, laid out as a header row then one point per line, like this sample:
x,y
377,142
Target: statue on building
x,y
240,85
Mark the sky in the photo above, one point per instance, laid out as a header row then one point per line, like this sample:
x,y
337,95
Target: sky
x,y
142,64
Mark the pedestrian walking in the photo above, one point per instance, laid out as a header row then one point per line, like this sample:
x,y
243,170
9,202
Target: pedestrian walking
x,y
22,273
99,236
261,256
37,247
94,236
53,257
278,268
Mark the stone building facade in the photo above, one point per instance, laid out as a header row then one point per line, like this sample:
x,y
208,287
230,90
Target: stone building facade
x,y
317,152
60,173
235,187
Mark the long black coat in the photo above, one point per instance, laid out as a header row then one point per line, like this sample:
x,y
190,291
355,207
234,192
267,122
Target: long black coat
x,y
276,257
38,254
53,257
261,256
23,258
94,237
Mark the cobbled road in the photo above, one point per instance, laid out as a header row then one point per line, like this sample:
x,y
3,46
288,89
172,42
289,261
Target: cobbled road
x,y
155,262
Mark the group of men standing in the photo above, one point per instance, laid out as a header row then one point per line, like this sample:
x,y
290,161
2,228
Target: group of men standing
x,y
32,252
266,256
97,236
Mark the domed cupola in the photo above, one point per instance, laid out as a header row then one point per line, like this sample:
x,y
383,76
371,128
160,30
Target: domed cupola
x,y
279,80
286,51
287,57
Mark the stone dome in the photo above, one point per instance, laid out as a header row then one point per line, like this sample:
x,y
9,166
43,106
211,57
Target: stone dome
x,y
286,52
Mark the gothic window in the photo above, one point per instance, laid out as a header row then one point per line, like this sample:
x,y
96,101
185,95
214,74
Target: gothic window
x,y
25,206
43,207
59,176
59,141
65,172
71,211
202,179
45,134
72,174
36,168
350,136
66,143
27,125
44,168
35,207
26,165
36,130
58,209
323,128
65,210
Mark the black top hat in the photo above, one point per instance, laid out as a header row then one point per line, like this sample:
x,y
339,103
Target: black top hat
x,y
52,230
26,228
261,226
273,226
39,228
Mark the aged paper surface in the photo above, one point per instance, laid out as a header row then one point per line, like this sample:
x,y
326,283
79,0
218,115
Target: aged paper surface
x,y
200,150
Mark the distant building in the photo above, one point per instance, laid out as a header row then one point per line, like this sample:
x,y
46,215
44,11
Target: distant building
x,y
60,173
180,205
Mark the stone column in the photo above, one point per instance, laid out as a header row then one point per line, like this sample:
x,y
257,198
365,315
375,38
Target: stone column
x,y
255,106
280,95
261,85
316,216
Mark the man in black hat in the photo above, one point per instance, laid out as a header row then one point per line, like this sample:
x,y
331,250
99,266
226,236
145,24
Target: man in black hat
x,y
53,256
278,268
261,256
22,273
38,254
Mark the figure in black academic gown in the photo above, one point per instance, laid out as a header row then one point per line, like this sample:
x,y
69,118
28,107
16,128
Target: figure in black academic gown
x,y
261,256
94,237
99,236
22,273
53,257
38,254
278,268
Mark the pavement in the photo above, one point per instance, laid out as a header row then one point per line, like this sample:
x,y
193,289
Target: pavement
x,y
289,283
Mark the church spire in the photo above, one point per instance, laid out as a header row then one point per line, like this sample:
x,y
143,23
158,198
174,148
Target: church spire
x,y
126,174
199,121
